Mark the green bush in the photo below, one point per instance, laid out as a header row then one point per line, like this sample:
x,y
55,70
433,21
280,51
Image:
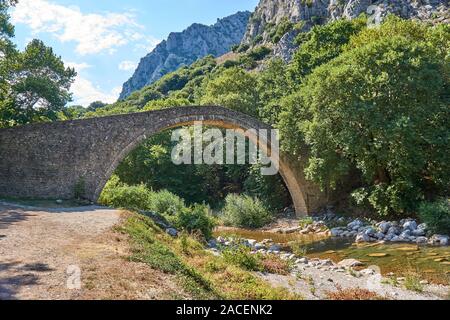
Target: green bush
x,y
119,195
196,219
244,211
167,203
436,215
242,257
259,53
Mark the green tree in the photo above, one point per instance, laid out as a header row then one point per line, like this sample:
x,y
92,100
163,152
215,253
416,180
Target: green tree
x,y
232,88
382,107
322,44
272,85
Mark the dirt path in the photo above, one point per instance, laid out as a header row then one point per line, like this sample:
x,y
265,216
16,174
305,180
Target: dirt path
x,y
42,253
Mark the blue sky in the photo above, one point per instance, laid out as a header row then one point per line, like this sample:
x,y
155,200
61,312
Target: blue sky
x,y
104,40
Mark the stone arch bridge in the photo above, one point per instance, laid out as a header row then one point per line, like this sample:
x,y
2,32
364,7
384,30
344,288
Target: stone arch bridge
x,y
47,160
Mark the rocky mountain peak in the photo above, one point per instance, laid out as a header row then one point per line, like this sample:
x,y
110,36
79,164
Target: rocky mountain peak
x,y
290,16
184,48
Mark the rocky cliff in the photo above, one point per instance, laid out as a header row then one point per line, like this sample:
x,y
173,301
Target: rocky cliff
x,y
183,48
270,14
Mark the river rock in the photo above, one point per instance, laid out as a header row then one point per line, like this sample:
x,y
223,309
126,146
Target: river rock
x,y
336,232
421,240
367,272
172,232
350,263
410,225
326,262
419,232
302,261
384,226
406,233
394,230
355,224
220,239
422,226
369,231
212,243
439,239
251,242
275,247
379,235
362,237
290,230
259,246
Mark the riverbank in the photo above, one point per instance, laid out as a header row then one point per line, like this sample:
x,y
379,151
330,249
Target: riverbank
x,y
321,278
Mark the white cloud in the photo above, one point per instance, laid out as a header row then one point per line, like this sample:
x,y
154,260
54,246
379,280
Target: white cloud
x,y
127,65
77,66
93,33
85,92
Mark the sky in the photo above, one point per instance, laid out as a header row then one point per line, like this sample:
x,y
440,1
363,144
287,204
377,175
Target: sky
x,y
105,39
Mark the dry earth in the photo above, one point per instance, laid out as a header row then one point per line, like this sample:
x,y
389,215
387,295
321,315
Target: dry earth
x,y
40,251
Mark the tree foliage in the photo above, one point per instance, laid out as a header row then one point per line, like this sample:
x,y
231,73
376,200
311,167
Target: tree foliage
x,y
34,84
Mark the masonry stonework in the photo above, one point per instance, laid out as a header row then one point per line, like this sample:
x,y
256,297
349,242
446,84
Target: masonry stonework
x,y
47,160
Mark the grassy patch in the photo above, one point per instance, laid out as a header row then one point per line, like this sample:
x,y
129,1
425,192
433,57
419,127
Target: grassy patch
x,y
412,282
200,273
150,245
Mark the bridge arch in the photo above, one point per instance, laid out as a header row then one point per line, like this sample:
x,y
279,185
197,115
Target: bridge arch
x,y
47,160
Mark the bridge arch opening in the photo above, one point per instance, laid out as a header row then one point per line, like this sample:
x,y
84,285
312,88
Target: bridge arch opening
x,y
286,173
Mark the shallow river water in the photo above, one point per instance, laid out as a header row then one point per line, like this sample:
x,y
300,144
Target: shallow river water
x,y
431,263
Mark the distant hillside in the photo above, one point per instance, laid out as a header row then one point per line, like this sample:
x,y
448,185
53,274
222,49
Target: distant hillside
x,y
183,48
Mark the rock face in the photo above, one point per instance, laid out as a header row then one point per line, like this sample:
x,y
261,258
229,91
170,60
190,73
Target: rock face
x,y
184,48
311,12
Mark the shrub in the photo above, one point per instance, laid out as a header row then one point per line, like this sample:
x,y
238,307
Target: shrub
x,y
244,211
412,282
274,264
283,27
243,258
353,294
436,215
298,248
196,219
120,195
167,203
259,53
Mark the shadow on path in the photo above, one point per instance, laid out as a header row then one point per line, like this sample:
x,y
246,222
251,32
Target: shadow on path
x,y
9,217
14,276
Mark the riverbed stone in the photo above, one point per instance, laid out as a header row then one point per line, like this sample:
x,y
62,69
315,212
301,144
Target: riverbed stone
x,y
362,237
421,240
355,224
259,246
419,232
384,226
302,260
212,243
275,247
172,232
439,239
406,233
350,263
336,232
410,225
